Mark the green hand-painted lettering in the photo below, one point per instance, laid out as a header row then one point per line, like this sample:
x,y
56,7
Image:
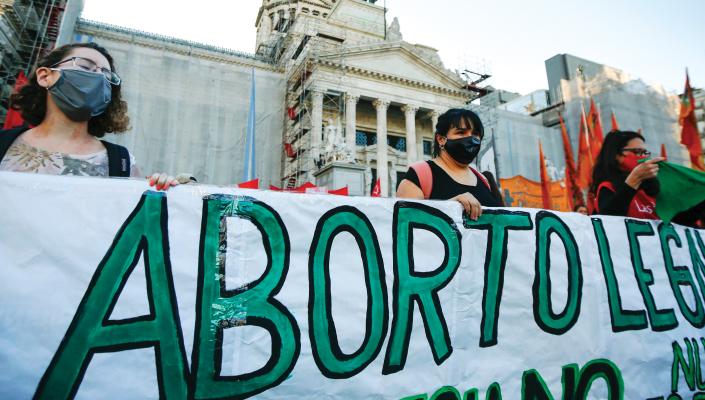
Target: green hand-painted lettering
x,y
326,351
578,382
680,363
216,308
698,263
680,276
622,320
423,288
91,331
548,224
661,320
446,393
498,223
533,387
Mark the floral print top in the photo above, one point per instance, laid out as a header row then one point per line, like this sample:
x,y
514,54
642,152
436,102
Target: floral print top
x,y
22,157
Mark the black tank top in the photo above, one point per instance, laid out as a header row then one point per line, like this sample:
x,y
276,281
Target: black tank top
x,y
445,187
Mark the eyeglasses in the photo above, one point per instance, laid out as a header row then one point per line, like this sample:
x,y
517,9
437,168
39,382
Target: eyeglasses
x,y
90,66
637,151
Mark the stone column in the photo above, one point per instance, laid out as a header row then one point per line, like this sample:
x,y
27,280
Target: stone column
x,y
434,121
351,121
316,123
393,180
410,114
382,163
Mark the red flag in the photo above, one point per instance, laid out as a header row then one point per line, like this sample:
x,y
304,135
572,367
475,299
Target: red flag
x,y
339,192
13,117
571,172
289,150
253,184
545,181
690,137
304,188
377,190
615,125
292,113
663,152
301,189
595,129
585,160
568,190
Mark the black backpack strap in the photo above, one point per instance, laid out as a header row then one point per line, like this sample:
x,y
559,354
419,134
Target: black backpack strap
x,y
118,160
8,137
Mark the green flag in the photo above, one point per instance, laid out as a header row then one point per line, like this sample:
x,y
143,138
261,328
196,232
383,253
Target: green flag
x,y
681,189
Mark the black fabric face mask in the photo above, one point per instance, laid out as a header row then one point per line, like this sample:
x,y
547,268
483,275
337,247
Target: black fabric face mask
x,y
463,150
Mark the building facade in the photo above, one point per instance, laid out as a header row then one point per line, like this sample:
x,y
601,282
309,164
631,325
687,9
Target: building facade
x,y
188,104
353,84
637,105
332,81
337,84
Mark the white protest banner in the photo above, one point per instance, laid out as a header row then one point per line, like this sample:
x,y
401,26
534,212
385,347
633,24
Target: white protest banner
x,y
111,291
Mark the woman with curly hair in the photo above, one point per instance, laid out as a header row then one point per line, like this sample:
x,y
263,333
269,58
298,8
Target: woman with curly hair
x,y
72,99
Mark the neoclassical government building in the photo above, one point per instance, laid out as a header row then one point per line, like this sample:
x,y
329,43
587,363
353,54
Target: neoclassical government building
x,y
334,79
341,99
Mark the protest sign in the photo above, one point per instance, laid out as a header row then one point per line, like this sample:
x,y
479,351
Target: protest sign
x,y
109,290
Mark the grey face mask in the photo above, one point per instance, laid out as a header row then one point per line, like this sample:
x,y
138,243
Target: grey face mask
x,y
81,95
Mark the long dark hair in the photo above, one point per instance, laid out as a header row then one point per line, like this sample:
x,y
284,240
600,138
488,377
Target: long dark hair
x,y
31,99
454,118
606,167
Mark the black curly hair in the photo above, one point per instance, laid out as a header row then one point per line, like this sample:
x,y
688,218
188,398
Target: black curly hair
x,y
31,99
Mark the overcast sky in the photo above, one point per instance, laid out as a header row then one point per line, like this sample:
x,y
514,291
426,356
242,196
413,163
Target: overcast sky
x,y
651,39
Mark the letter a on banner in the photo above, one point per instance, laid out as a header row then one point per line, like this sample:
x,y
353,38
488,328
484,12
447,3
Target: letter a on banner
x,y
91,331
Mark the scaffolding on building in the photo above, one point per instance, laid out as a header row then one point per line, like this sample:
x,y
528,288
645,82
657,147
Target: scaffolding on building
x,y
299,160
28,31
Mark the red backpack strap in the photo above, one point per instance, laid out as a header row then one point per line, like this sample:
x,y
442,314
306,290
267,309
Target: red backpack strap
x,y
481,177
605,184
423,172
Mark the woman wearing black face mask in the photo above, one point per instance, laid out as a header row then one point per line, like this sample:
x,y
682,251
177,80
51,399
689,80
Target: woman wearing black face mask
x,y
625,180
449,176
72,98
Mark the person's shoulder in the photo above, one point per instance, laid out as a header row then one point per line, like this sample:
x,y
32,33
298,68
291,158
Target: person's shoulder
x,y
606,185
8,137
16,131
435,168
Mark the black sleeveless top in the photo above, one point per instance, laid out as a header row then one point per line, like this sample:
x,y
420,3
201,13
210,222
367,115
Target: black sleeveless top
x,y
445,187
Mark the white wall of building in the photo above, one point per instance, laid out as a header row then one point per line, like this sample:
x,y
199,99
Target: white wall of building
x,y
188,106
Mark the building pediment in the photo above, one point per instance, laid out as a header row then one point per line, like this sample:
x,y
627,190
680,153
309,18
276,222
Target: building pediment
x,y
400,60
